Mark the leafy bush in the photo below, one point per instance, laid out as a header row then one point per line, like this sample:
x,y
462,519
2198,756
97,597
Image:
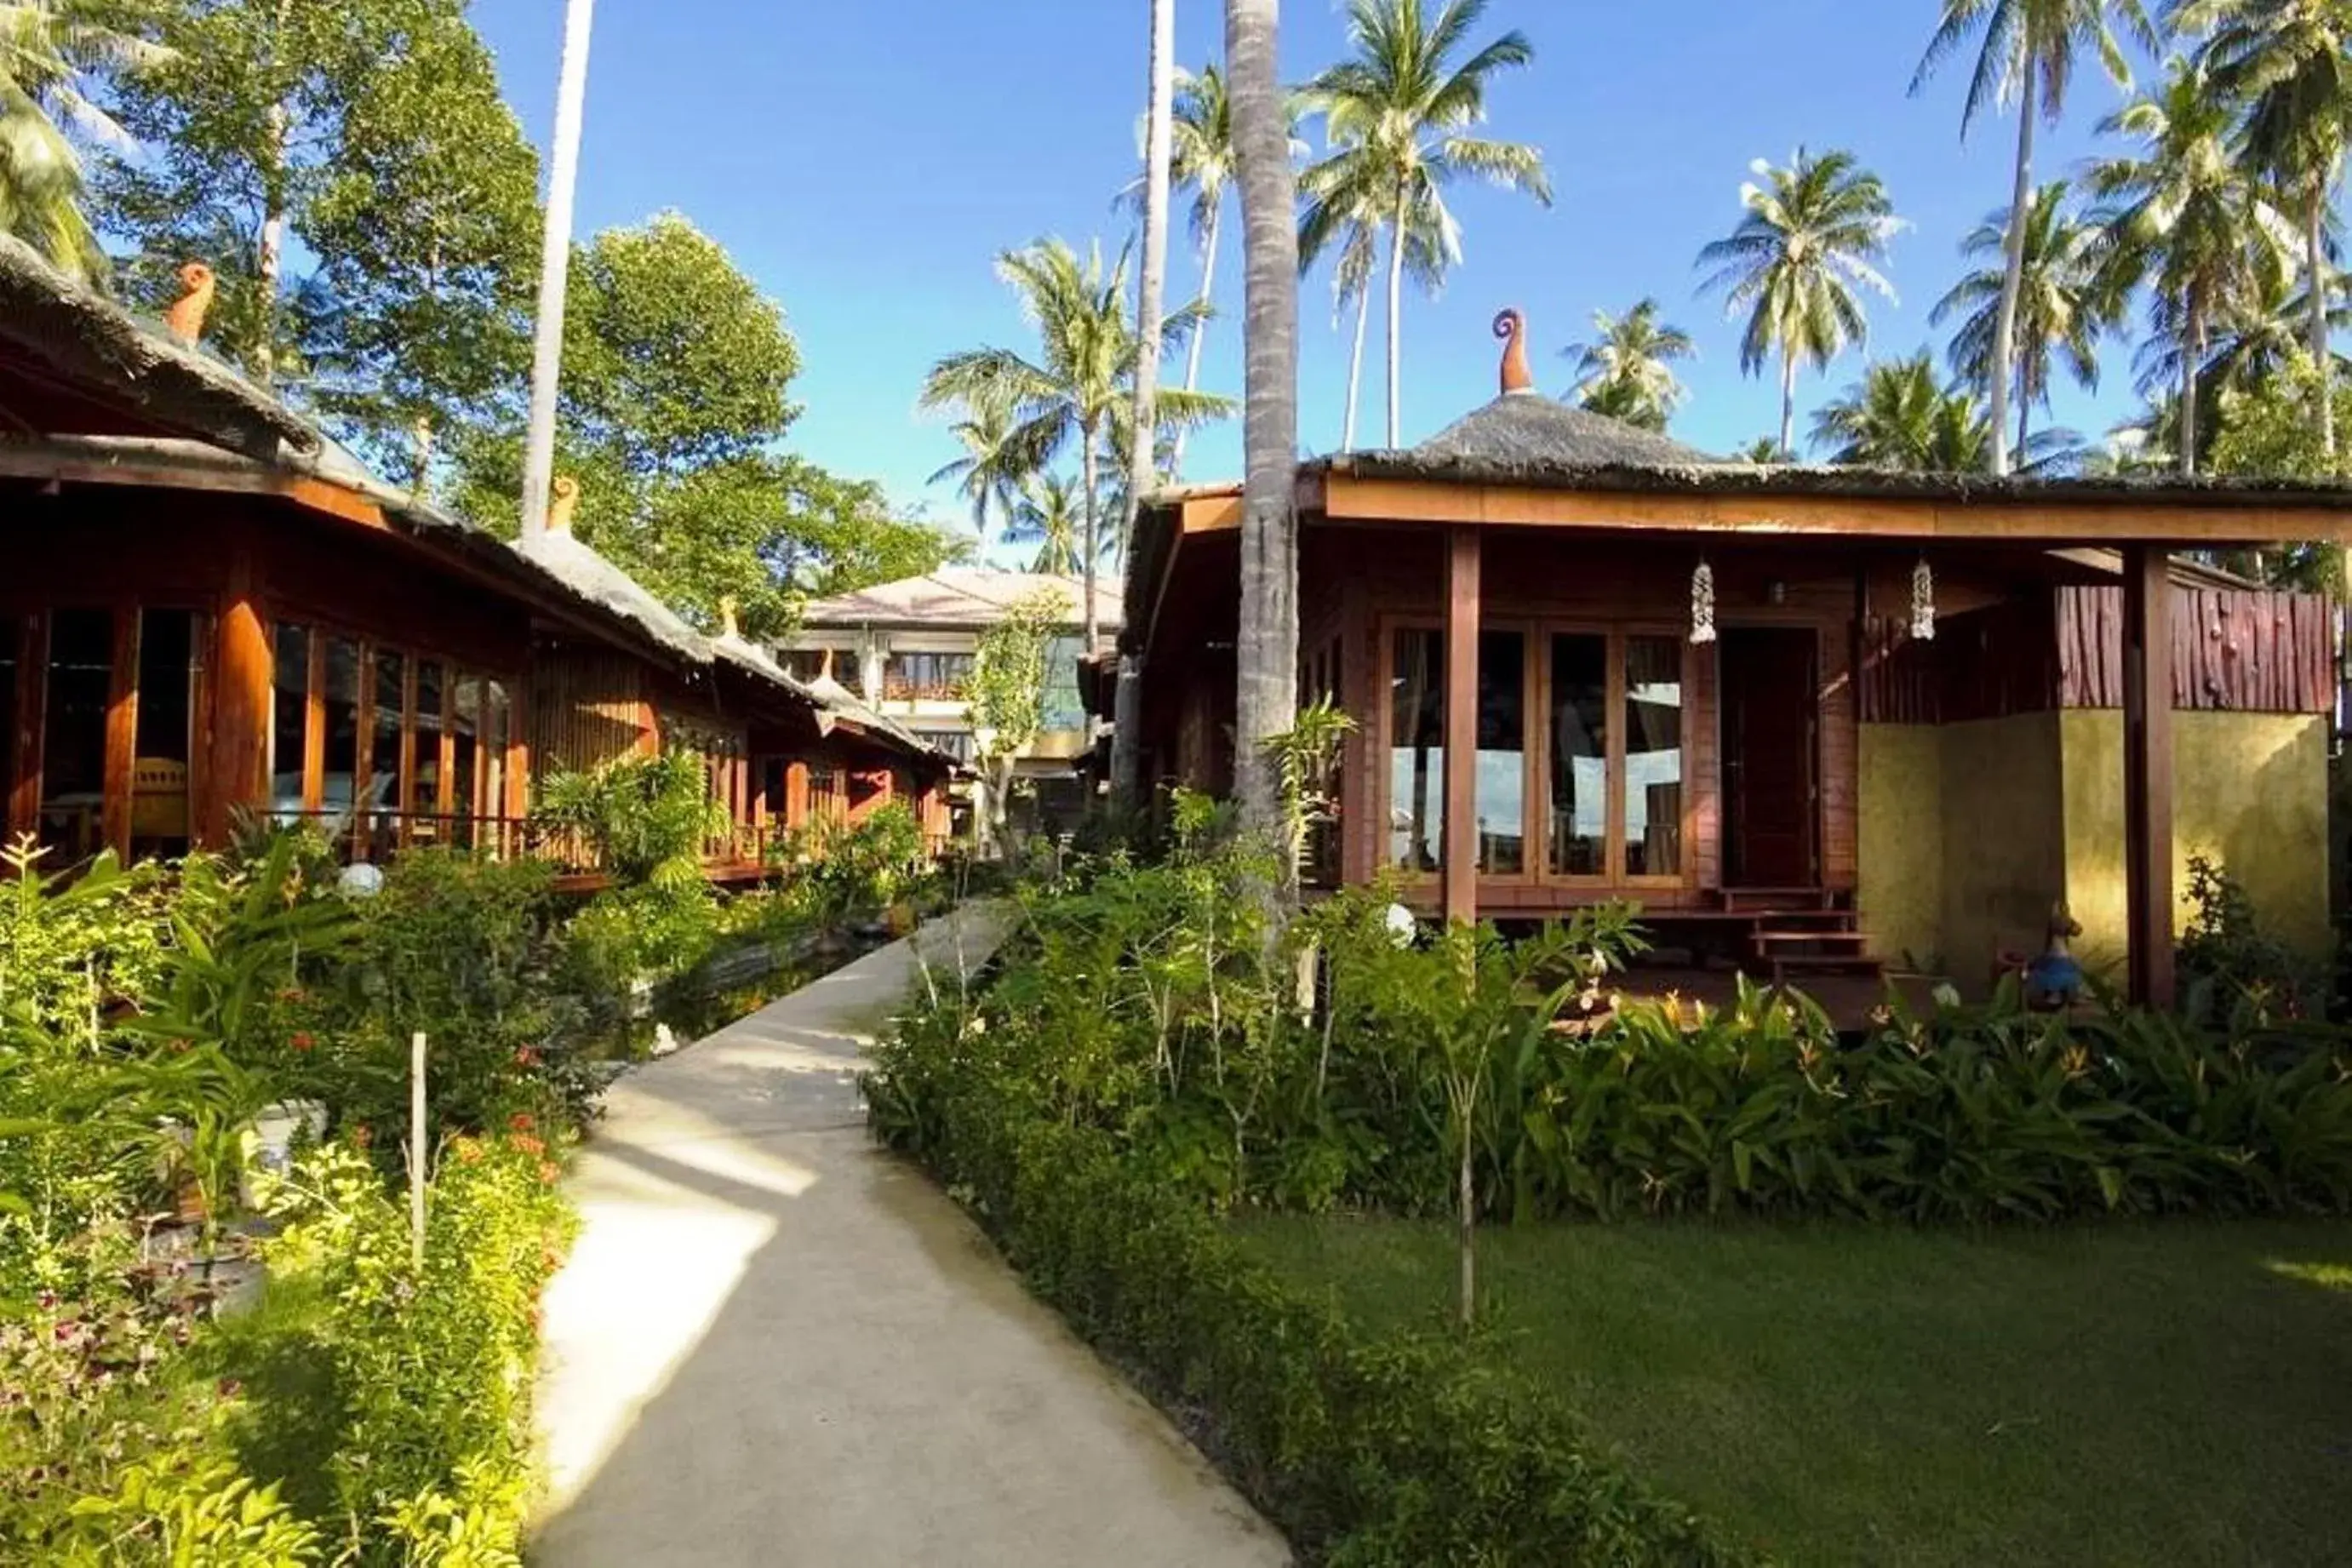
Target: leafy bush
x,y
853,870
2231,963
646,819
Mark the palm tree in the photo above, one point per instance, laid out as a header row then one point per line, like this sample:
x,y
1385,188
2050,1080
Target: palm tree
x,y
1763,450
1265,697
48,50
2058,308
1079,388
1396,114
554,264
2028,53
1814,232
2288,65
1900,416
1428,233
991,473
1050,513
2184,217
1627,370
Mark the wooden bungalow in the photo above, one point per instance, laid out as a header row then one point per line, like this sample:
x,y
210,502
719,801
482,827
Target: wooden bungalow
x,y
208,611
1816,718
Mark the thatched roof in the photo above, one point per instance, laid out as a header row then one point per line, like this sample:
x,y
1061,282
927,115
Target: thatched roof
x,y
591,577
1527,431
81,336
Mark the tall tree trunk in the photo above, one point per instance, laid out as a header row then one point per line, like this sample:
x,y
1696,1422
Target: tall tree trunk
x,y
1356,365
1089,547
421,434
1199,329
1396,322
270,262
2191,362
2024,418
1142,466
2013,277
2323,357
1266,700
1787,402
555,265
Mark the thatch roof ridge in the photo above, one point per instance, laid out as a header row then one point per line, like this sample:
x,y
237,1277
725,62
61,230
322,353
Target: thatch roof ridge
x,y
1528,429
73,328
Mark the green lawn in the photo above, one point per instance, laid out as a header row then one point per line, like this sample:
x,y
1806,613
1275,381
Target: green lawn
x,y
2169,1394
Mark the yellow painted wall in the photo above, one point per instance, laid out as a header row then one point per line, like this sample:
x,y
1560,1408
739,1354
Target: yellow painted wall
x,y
1901,892
2248,790
2004,841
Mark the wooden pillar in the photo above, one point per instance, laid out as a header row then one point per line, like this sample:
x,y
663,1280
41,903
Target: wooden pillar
x,y
23,807
121,733
797,796
2148,771
1461,857
241,688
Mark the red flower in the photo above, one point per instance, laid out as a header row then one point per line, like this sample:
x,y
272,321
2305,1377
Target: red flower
x,y
526,1058
302,1040
519,1122
292,994
548,1172
528,1144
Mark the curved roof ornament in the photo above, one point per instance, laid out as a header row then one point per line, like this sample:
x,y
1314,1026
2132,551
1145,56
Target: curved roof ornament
x,y
1512,325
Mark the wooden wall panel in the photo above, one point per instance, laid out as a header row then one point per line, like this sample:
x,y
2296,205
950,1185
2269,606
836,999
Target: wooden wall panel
x,y
2232,650
243,669
588,707
121,733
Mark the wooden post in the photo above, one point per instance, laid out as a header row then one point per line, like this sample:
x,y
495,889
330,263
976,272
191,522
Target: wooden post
x,y
241,697
416,1149
23,807
1461,855
2148,771
121,733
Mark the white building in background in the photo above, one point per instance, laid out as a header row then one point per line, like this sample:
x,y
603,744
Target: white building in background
x,y
906,648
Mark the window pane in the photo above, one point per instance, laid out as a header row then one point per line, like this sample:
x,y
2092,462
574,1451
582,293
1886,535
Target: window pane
x,y
380,807
493,763
159,769
430,692
465,739
73,738
1654,757
1579,755
1502,751
1417,750
289,710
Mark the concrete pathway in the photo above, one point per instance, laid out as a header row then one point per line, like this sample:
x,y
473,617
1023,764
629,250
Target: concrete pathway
x,y
775,1344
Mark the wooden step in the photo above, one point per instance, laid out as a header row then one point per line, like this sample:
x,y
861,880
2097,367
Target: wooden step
x,y
1769,939
1781,898
1856,963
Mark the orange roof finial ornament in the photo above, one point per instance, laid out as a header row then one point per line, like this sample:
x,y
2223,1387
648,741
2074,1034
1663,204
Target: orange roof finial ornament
x,y
564,495
185,319
1512,324
727,628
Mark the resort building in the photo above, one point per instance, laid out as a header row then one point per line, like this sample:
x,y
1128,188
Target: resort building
x,y
1816,718
210,614
907,648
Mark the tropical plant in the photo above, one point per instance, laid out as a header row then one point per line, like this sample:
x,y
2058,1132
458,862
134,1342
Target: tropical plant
x,y
1814,233
1266,658
989,474
2058,311
1077,388
1008,693
1900,416
1051,514
2028,54
1358,236
1626,371
1763,450
49,49
2182,216
2286,65
646,819
1397,113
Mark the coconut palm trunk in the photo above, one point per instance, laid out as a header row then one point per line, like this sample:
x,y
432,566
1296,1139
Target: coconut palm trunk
x,y
1143,447
1199,333
1356,369
1396,316
1091,554
2004,329
1787,402
555,264
2192,361
2314,243
1267,661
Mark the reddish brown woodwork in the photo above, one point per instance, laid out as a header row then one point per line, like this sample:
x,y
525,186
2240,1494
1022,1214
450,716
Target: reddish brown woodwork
x,y
407,805
446,771
314,731
2241,650
797,796
203,647
2148,772
362,724
1460,869
24,801
243,666
1771,757
121,733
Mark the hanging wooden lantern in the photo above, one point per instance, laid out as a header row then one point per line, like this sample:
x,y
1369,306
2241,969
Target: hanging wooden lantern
x,y
1703,603
1923,602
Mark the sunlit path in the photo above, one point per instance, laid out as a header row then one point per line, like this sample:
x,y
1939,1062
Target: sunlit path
x,y
774,1344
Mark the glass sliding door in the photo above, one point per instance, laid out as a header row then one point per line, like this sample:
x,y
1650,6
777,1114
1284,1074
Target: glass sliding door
x,y
1416,830
73,734
164,742
1502,783
1654,757
1579,755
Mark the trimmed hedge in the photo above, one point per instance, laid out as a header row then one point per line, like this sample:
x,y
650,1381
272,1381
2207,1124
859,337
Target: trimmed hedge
x,y
1364,1450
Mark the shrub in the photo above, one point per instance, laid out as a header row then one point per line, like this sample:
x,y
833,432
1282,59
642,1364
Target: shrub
x,y
646,819
2230,962
853,870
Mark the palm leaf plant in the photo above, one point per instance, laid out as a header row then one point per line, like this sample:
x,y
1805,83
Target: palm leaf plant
x,y
2027,56
1050,514
1432,240
50,52
1398,113
1626,370
989,476
1815,234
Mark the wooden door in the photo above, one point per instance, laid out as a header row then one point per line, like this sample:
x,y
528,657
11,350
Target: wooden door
x,y
1771,757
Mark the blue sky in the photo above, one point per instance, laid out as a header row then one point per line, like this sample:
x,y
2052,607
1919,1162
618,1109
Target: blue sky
x,y
866,162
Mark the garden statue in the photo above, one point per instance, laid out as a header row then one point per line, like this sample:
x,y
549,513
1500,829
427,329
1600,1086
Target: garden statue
x,y
2053,982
